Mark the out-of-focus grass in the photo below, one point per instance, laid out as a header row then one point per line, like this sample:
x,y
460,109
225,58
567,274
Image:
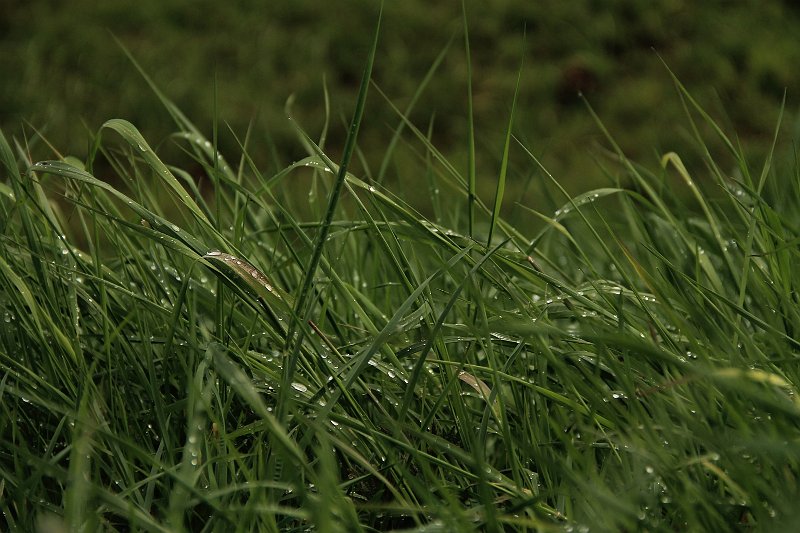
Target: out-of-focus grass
x,y
59,68
259,360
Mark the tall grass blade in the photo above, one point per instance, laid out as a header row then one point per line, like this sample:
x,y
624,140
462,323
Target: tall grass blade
x,y
501,180
471,179
302,304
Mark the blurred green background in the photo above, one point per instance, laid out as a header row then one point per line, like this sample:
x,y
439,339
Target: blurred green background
x,y
61,68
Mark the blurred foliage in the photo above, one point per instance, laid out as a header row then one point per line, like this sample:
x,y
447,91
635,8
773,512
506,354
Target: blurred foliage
x,y
61,65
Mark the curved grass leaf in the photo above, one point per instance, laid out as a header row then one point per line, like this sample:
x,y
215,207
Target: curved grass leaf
x,y
129,132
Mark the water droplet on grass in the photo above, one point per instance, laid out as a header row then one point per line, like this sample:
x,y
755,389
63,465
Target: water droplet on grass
x,y
299,387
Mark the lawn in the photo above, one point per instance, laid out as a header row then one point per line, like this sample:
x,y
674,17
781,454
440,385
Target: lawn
x,y
193,340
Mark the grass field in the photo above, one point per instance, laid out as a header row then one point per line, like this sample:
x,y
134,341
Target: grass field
x,y
62,68
302,350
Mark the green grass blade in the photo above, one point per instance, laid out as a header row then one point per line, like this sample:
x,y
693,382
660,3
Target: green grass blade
x,y
303,298
471,179
129,132
501,180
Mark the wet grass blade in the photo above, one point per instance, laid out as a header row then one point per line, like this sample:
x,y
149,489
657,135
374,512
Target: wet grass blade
x,y
303,300
129,132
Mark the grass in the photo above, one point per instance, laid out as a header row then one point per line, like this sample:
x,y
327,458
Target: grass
x,y
253,359
738,59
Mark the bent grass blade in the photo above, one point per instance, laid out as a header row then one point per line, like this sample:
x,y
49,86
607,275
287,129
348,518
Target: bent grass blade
x,y
254,279
129,132
483,390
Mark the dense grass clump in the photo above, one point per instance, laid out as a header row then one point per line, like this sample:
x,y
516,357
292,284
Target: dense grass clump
x,y
178,359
